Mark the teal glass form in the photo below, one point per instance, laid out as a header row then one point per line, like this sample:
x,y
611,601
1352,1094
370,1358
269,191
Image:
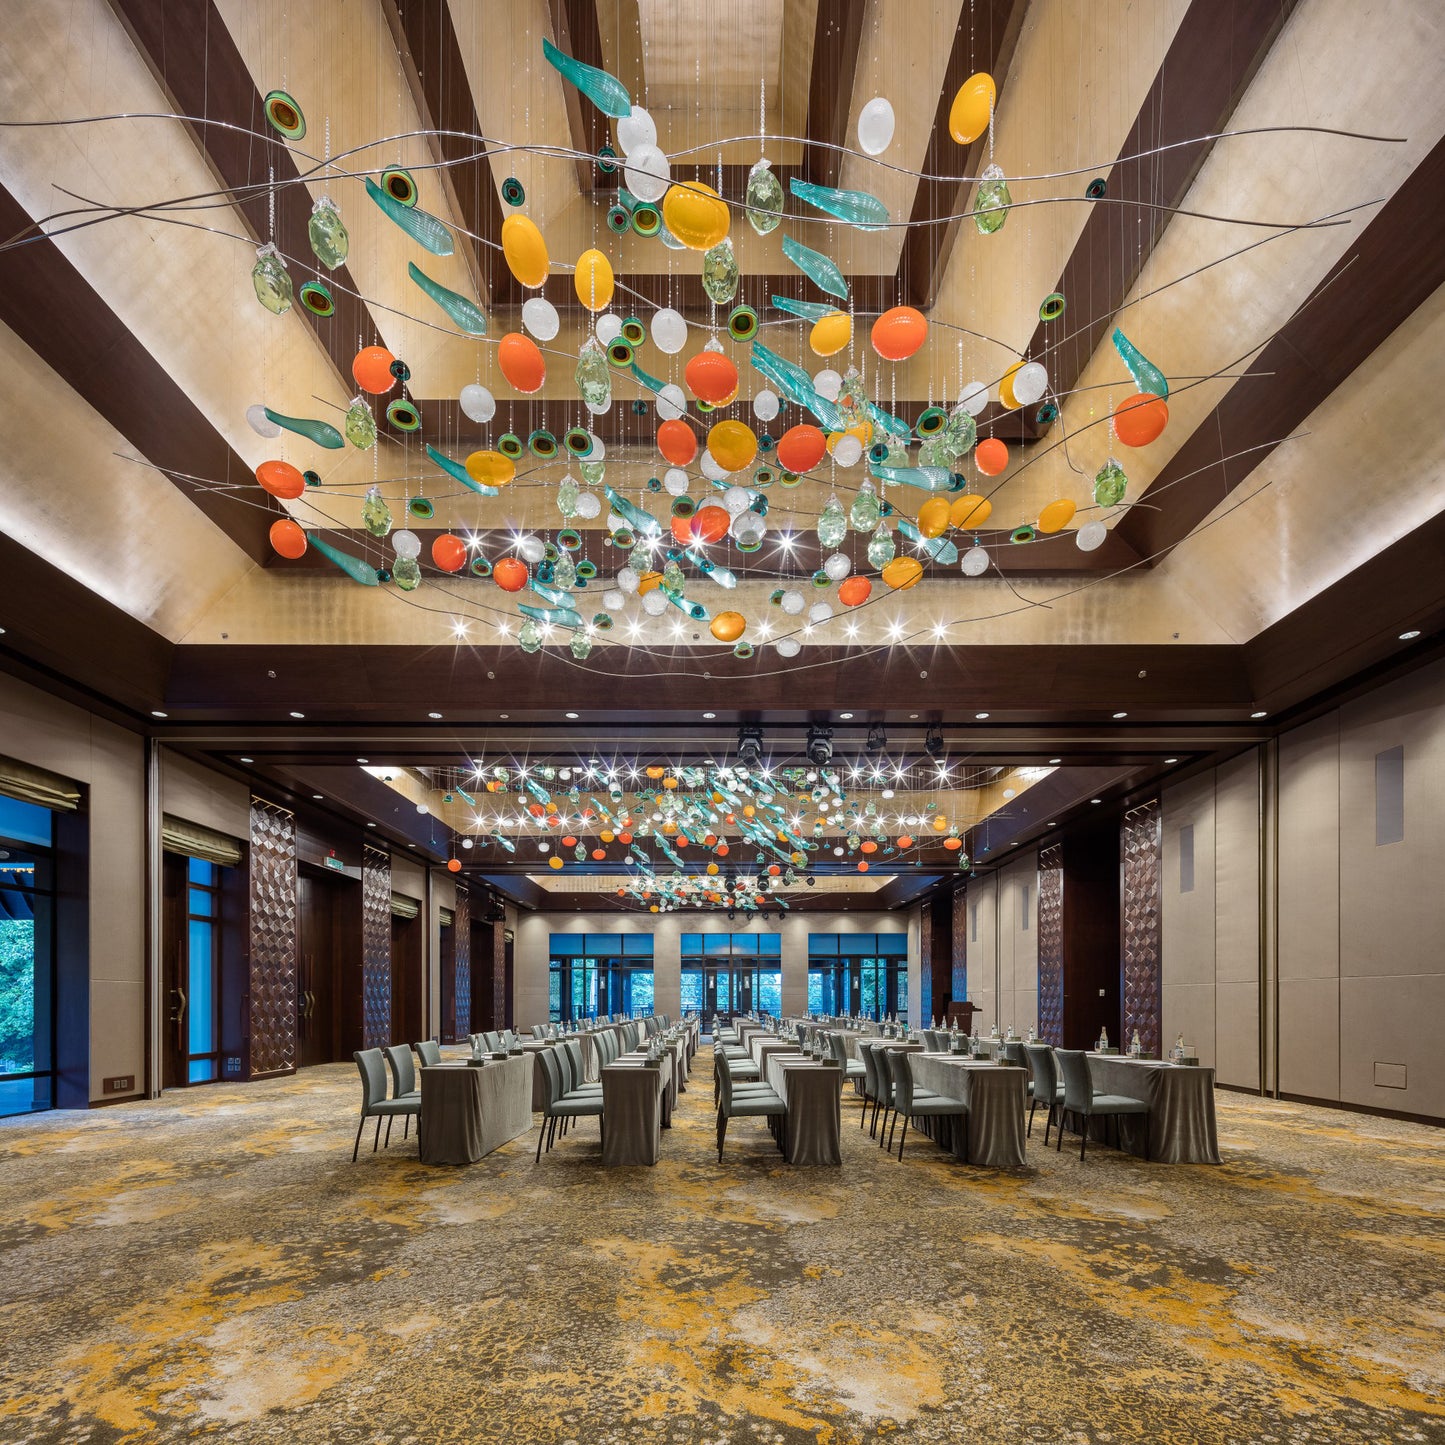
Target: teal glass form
x,y
466,315
816,267
926,479
1147,376
808,310
553,597
644,523
858,208
557,616
458,473
650,382
695,610
354,567
320,432
421,226
505,842
723,576
605,91
796,385
893,425
937,549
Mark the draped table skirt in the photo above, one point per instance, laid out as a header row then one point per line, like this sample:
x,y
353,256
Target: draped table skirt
x,y
812,1092
1181,1127
467,1111
634,1110
991,1134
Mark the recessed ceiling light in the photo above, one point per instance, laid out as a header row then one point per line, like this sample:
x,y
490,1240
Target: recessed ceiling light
x,y
709,716
1409,636
316,797
156,712
248,760
913,717
1118,715
1054,762
846,716
298,715
362,760
371,825
980,716
1260,713
1096,800
572,717
2,632
1053,825
435,716
504,716
1167,761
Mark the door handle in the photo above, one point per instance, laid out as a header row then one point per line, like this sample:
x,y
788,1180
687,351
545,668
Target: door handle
x,y
179,1004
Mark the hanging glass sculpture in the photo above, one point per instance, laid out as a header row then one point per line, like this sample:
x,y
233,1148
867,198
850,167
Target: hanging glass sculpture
x,y
1147,376
529,637
360,424
354,567
421,226
857,208
605,91
720,272
285,115
375,514
581,646
990,208
327,235
593,376
567,493
1110,484
764,198
881,547
866,511
816,267
459,473
808,310
271,280
320,432
832,524
467,315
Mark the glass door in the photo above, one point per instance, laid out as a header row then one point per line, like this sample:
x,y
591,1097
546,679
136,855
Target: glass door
x,y
27,958
195,984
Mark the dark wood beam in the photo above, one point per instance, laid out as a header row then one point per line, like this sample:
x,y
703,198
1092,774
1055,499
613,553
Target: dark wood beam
x,y
196,62
53,309
1386,274
1219,46
985,39
575,33
431,57
837,42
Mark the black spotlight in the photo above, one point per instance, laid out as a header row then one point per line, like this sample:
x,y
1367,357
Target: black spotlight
x,y
820,745
933,743
750,747
877,738
732,913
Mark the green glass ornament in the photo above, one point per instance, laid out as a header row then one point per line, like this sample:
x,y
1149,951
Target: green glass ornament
x,y
990,209
881,548
858,208
564,573
866,512
375,514
406,573
593,375
421,226
354,567
764,198
605,91
672,577
327,235
567,494
817,267
720,272
272,281
832,524
592,472
581,646
529,637
1147,376
1110,484
360,424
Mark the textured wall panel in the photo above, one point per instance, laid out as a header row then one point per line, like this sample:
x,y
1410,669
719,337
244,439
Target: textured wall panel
x,y
925,963
462,965
1141,842
960,945
273,939
1051,945
375,948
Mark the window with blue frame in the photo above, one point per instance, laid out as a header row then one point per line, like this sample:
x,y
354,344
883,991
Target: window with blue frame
x,y
203,960
27,957
732,973
858,973
594,975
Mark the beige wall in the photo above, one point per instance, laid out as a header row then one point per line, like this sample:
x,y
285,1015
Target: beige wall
x,y
194,792
531,952
1002,944
47,733
1360,970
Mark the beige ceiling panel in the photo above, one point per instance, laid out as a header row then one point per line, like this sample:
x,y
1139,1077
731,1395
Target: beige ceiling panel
x,y
1363,475
167,283
77,493
1326,69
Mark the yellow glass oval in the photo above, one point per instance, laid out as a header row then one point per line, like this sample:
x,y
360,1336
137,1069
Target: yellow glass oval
x,y
933,517
594,280
645,584
971,108
696,215
732,444
491,469
970,510
525,250
1006,387
1057,515
728,626
831,334
902,573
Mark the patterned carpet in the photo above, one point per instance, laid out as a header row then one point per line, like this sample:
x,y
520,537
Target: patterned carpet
x,y
213,1266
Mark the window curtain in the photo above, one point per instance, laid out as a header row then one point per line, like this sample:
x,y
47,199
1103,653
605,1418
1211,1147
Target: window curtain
x,y
34,785
193,841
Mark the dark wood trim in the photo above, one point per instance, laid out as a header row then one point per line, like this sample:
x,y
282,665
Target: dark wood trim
x,y
1342,1105
837,42
985,39
1209,65
1389,271
575,32
53,309
194,59
431,57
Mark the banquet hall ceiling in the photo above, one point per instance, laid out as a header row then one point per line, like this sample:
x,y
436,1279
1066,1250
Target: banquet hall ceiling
x,y
1276,539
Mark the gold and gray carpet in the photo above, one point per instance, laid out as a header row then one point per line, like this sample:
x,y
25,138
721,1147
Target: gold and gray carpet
x,y
213,1266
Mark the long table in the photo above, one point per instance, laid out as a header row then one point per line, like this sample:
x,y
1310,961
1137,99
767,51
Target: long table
x,y
992,1132
813,1093
635,1109
1180,1128
468,1110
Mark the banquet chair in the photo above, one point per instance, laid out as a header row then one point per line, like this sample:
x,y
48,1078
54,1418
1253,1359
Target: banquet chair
x,y
852,1069
911,1102
873,1092
576,1067
743,1069
1044,1086
745,1099
1081,1100
429,1052
559,1104
403,1082
374,1103
539,1031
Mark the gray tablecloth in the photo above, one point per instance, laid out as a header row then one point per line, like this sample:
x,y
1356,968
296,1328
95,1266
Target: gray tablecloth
x,y
812,1093
992,1132
466,1112
634,1098
1180,1127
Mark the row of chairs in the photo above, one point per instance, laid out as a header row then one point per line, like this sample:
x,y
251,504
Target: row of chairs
x,y
566,1093
496,1041
405,1100
738,1088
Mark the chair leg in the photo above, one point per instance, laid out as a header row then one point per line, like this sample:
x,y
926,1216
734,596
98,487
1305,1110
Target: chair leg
x,y
1029,1132
377,1140
1084,1134
541,1134
360,1126
1048,1121
405,1127
722,1129
389,1118
1059,1144
902,1141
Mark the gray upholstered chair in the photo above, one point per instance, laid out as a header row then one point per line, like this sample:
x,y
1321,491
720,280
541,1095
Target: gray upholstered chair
x,y
911,1102
852,1069
734,1102
1081,1101
575,1069
374,1103
1044,1086
873,1091
561,1105
403,1080
539,1031
429,1052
